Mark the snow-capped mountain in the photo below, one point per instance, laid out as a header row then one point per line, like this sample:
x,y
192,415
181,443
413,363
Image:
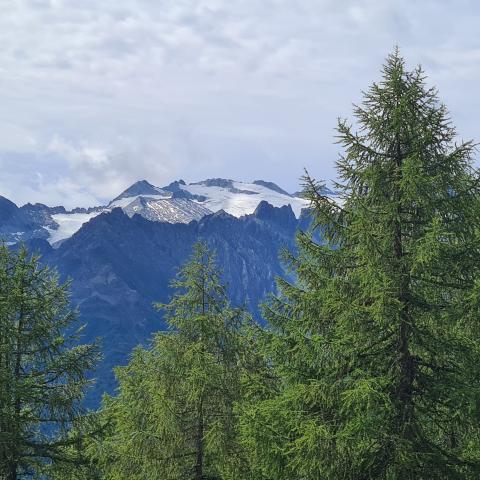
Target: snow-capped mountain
x,y
178,202
120,261
196,200
171,210
240,198
120,265
140,188
157,204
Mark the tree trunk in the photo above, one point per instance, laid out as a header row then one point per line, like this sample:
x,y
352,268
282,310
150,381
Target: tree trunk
x,y
12,472
406,364
199,444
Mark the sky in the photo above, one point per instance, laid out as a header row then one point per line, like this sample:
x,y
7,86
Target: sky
x,y
95,95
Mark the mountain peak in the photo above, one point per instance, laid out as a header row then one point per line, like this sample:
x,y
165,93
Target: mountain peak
x,y
177,202
4,202
142,187
283,214
271,186
177,191
222,214
7,209
215,182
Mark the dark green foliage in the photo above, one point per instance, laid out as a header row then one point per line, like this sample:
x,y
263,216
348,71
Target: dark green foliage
x,y
173,417
87,433
375,350
42,372
369,369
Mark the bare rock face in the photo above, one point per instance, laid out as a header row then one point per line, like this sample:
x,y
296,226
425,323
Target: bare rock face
x,y
121,257
120,265
177,202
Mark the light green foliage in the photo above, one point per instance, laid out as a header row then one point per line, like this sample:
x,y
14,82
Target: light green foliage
x,y
173,417
374,351
369,369
88,431
42,370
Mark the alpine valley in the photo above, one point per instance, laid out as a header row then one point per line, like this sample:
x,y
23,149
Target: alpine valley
x,y
122,256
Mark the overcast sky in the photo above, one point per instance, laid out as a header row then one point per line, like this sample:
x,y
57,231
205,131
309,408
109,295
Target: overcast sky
x,y
96,94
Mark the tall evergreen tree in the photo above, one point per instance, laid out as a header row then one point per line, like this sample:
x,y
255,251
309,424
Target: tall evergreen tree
x,y
375,347
42,372
173,417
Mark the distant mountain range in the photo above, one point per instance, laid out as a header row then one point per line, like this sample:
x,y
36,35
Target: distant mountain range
x,y
174,203
122,256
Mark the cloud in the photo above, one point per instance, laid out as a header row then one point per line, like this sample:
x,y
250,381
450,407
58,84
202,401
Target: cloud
x,y
96,95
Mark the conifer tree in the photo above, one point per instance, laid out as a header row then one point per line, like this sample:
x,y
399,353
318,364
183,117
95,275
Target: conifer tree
x,y
375,347
42,371
173,416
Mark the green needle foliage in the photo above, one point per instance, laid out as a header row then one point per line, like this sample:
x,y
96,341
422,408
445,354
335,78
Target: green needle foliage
x,y
374,352
173,416
42,372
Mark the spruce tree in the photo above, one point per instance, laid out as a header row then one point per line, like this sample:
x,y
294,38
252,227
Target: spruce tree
x,y
42,370
375,347
173,416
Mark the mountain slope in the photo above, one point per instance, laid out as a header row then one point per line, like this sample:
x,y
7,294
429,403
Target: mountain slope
x,y
120,265
241,198
142,187
175,203
158,205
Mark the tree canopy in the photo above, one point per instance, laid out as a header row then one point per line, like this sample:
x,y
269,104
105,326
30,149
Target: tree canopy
x,y
375,347
174,415
42,368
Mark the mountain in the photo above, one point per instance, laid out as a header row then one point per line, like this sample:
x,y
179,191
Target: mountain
x,y
241,198
120,265
158,205
121,257
177,202
8,210
18,224
142,187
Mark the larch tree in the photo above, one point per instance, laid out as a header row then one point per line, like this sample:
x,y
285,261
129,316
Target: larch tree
x,y
375,348
173,416
42,368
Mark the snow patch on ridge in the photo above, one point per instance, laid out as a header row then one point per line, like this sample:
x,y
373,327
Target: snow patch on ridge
x,y
68,224
182,203
235,202
125,201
